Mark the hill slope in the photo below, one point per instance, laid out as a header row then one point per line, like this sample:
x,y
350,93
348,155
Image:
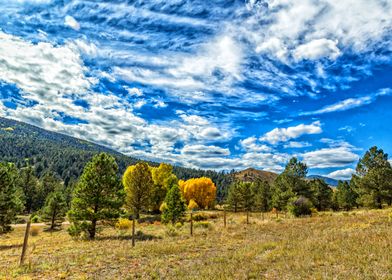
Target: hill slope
x,y
65,155
251,174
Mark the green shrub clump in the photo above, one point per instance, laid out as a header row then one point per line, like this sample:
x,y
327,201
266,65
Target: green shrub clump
x,y
300,206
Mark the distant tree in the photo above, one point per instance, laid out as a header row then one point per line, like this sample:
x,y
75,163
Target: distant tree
x,y
322,194
247,195
54,209
290,183
234,197
163,178
10,196
98,196
29,184
175,205
373,178
47,184
138,185
262,195
201,190
345,196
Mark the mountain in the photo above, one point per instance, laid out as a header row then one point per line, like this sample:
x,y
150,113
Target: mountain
x,y
329,181
251,174
66,156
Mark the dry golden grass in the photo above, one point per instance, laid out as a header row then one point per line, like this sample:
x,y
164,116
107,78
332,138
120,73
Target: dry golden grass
x,y
353,245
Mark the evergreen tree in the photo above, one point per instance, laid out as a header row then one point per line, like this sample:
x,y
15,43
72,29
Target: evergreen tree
x,y
29,184
138,184
234,196
98,196
262,195
175,205
55,209
163,178
10,196
322,194
291,183
48,183
373,178
345,196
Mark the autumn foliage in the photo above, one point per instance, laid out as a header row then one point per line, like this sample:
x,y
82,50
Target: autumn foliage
x,y
201,190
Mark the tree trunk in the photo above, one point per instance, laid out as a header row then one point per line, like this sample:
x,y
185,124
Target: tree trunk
x,y
53,220
93,228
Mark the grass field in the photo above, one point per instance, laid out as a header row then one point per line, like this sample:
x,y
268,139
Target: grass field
x,y
355,245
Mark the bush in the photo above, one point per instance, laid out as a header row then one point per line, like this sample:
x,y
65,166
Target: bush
x,y
300,206
204,216
35,219
203,224
34,231
123,224
171,231
178,225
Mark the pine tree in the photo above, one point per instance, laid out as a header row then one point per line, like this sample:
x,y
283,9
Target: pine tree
x,y
322,194
373,178
10,196
234,197
55,209
262,194
175,205
29,183
98,196
345,196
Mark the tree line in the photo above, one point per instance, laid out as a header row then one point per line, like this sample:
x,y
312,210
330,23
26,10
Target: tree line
x,y
101,195
370,186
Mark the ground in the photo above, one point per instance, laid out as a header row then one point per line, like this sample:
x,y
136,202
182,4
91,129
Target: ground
x,y
354,245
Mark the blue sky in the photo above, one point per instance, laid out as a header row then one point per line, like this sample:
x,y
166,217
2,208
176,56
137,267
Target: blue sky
x,y
205,84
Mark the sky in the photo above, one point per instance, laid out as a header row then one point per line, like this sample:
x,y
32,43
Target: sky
x,y
218,84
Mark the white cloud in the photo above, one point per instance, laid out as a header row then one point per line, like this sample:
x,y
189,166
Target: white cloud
x,y
343,174
317,49
330,157
42,70
133,91
294,144
139,104
284,134
71,22
203,151
350,103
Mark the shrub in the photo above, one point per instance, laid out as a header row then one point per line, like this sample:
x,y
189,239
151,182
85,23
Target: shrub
x,y
171,231
34,231
178,225
35,219
300,206
204,216
123,224
203,224
193,205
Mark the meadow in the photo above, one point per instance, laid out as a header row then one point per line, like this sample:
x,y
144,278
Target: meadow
x,y
342,245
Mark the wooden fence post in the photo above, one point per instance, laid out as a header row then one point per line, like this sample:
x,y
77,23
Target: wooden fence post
x,y
191,224
133,232
25,241
247,216
224,217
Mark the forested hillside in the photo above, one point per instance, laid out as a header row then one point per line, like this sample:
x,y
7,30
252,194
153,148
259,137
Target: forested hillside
x,y
66,156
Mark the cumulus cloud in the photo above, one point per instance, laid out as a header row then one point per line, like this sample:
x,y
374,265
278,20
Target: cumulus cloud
x,y
42,70
72,22
317,49
343,174
330,157
203,151
278,135
294,144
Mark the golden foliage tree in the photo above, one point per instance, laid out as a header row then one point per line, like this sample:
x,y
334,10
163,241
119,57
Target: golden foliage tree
x,y
163,178
201,190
